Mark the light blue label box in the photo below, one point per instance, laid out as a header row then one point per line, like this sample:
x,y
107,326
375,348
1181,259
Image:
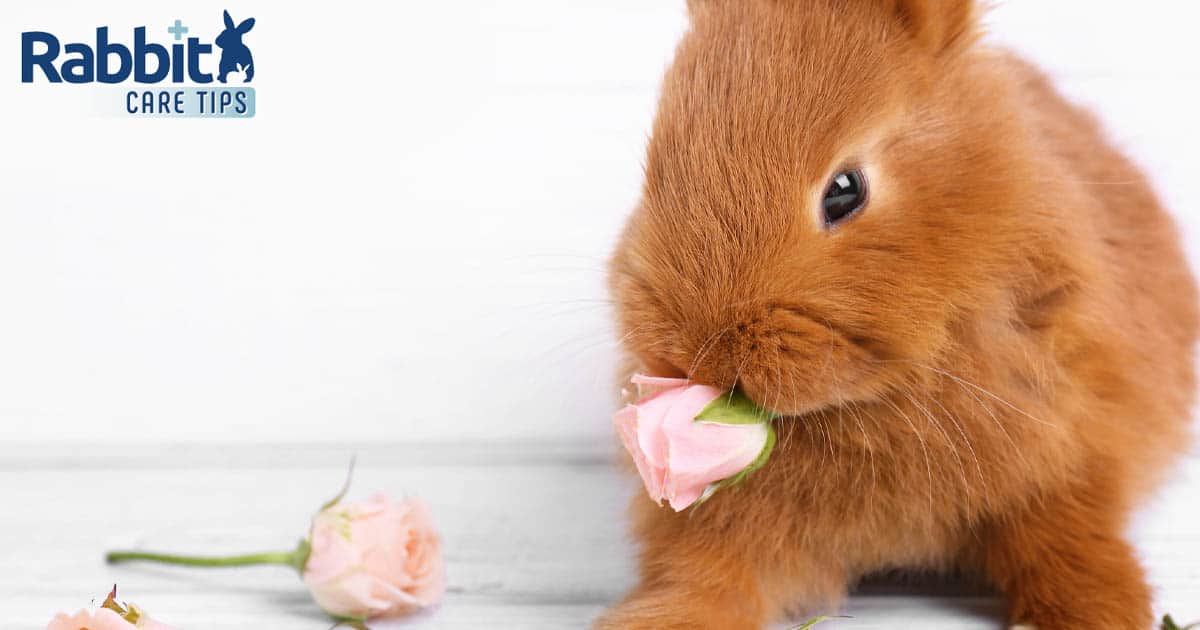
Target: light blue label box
x,y
191,102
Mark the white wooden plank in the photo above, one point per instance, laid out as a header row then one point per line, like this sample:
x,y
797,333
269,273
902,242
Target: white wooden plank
x,y
534,534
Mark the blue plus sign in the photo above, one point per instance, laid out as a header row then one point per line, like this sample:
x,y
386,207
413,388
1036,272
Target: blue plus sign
x,y
178,30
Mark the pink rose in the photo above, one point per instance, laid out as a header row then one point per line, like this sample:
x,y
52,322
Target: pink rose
x,y
375,558
112,615
690,440
98,619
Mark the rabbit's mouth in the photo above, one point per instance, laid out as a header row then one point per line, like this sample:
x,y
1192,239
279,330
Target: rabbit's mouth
x,y
785,362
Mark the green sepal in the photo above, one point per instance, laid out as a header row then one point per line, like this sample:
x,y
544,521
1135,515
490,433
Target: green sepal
x,y
812,622
739,478
128,612
300,556
304,549
1169,624
345,487
734,409
349,622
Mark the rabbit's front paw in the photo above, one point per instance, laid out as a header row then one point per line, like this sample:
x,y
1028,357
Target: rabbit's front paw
x,y
636,616
669,610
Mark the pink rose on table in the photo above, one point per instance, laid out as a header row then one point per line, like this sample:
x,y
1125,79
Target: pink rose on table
x,y
688,440
375,558
111,615
362,560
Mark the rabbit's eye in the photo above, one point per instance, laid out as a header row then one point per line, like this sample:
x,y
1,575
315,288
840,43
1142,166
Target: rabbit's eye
x,y
846,195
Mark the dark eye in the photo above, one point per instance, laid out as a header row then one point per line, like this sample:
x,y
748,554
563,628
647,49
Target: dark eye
x,y
847,194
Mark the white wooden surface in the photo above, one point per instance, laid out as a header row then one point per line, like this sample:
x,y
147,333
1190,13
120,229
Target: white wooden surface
x,y
534,535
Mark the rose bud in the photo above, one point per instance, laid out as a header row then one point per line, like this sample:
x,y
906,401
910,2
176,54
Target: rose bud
x,y
111,615
375,558
688,441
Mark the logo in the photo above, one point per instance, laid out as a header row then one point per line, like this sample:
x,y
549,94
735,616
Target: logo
x,y
183,64
234,53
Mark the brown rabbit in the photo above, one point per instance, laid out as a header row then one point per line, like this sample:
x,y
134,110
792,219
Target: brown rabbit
x,y
970,309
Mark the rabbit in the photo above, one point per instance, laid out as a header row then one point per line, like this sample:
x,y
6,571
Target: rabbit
x,y
235,55
970,312
239,72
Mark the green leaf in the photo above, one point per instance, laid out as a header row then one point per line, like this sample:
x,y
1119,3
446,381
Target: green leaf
x,y
734,409
812,622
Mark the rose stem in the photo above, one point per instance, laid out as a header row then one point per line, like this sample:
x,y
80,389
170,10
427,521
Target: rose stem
x,y
287,558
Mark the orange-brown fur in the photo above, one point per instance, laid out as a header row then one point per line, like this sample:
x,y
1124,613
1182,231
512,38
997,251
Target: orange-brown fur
x,y
982,372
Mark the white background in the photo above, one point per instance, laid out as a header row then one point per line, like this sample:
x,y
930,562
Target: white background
x,y
408,241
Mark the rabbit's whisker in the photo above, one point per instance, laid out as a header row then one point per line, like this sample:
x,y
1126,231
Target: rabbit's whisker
x,y
924,447
933,421
970,447
967,383
703,350
857,412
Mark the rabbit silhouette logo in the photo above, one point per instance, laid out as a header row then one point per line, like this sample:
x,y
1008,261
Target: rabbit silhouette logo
x,y
235,55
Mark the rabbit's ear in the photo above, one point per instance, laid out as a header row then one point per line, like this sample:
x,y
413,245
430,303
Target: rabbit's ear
x,y
228,21
245,27
938,25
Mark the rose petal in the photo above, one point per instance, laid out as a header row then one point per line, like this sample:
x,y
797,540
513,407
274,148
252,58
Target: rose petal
x,y
652,414
702,453
626,422
693,471
93,619
375,558
677,457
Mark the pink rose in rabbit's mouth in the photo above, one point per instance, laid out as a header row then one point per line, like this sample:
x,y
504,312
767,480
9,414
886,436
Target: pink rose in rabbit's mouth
x,y
690,440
